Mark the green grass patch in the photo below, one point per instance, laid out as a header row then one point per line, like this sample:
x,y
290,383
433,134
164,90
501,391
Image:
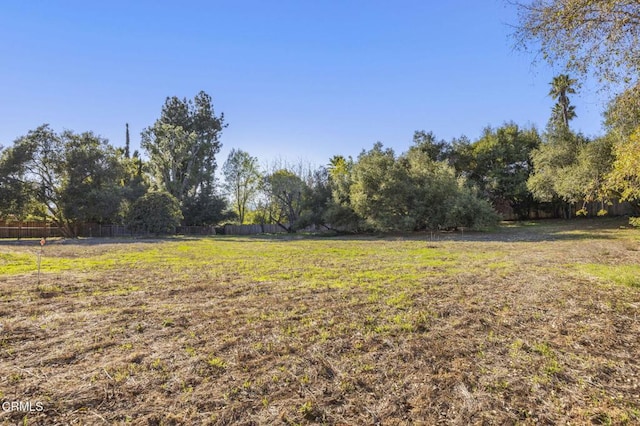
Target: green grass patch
x,y
628,275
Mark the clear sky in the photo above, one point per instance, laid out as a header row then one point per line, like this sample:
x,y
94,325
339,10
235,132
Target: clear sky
x,y
296,79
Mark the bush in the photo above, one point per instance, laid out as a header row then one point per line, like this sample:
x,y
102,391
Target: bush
x,y
156,213
470,211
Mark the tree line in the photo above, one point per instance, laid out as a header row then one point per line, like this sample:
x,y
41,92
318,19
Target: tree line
x,y
69,177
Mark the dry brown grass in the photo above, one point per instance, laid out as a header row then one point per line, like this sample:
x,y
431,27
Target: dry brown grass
x,y
520,326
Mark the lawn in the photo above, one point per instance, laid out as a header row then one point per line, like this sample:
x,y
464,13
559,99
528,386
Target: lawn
x,y
534,323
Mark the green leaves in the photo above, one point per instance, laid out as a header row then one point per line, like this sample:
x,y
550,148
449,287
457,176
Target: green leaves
x,y
242,180
624,178
601,36
563,112
285,191
182,145
413,192
69,177
156,212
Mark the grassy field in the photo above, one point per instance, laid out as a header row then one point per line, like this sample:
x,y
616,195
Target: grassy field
x,y
535,323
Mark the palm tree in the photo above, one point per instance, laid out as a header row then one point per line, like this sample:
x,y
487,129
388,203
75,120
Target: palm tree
x,y
561,86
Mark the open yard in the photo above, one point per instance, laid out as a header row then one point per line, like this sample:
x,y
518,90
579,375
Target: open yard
x,y
536,323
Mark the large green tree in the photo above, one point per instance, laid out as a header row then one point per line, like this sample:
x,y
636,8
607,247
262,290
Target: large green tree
x,y
91,178
370,194
570,169
182,145
413,192
71,177
338,213
242,180
624,178
17,193
285,191
435,149
499,165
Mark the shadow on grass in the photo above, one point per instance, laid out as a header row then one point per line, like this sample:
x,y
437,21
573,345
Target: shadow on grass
x,y
523,231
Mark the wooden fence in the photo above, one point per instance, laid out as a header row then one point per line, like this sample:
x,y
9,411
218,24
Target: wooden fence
x,y
253,229
592,208
19,230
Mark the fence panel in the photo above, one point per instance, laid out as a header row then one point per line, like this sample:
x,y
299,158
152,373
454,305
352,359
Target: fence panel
x,y
19,230
252,229
196,230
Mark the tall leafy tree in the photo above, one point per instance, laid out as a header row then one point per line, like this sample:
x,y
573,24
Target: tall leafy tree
x,y
316,199
17,193
285,191
460,156
501,165
242,180
553,164
624,178
587,177
91,179
412,192
73,177
182,145
370,194
426,141
339,213
134,181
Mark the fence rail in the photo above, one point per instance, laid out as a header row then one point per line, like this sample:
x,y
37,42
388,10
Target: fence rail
x,y
45,229
253,229
18,232
615,208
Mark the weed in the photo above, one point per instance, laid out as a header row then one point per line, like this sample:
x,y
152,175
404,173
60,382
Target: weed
x,y
157,364
306,409
217,363
15,378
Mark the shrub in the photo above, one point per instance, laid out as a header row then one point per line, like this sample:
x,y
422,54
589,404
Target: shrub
x,y
155,212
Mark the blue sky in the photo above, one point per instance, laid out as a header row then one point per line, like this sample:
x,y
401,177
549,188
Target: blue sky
x,y
296,80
